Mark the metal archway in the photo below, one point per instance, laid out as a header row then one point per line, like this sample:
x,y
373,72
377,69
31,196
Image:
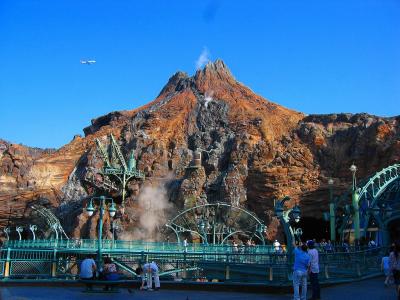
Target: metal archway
x,y
374,195
51,220
215,223
378,193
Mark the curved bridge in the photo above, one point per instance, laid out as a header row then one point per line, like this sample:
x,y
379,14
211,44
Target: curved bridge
x,y
379,203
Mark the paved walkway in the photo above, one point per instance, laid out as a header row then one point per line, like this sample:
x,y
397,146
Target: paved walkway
x,y
364,290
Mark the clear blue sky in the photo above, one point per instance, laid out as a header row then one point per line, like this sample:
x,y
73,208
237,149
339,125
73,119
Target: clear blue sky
x,y
311,56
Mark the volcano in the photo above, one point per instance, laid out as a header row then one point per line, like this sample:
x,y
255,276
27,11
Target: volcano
x,y
252,151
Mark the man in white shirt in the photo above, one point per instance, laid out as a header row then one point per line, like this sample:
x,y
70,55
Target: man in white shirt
x,y
314,270
277,246
149,270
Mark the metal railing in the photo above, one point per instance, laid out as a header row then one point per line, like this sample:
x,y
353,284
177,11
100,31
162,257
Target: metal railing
x,y
120,245
223,264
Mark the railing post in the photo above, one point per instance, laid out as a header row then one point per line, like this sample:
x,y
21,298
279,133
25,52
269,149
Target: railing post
x,y
326,271
7,266
358,269
227,272
54,264
184,265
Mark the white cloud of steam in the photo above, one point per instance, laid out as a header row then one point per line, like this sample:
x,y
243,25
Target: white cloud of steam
x,y
153,206
203,59
208,98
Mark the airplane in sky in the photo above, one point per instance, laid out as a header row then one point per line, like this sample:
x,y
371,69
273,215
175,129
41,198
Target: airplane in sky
x,y
88,62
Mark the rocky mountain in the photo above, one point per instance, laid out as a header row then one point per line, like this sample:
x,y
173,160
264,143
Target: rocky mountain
x,y
252,152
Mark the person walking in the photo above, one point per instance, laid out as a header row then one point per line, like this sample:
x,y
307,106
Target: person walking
x,y
300,268
394,266
314,270
385,267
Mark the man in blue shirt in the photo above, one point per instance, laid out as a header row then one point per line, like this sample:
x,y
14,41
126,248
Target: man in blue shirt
x,y
300,268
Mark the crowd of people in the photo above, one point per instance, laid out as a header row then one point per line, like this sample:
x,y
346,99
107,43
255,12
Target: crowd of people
x,y
306,265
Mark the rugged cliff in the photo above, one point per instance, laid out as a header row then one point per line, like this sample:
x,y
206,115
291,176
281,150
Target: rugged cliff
x,y
252,152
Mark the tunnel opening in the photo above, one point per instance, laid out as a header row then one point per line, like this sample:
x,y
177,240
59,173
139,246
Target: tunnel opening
x,y
394,230
313,228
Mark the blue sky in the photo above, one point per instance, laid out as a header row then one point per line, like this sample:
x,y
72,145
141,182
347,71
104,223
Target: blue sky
x,y
311,56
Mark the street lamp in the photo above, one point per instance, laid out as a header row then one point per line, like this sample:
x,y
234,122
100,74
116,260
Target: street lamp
x,y
261,229
202,227
285,217
114,227
7,233
33,228
102,205
354,201
19,229
353,170
332,217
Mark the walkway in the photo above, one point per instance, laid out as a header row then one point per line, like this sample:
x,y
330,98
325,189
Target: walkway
x,y
368,289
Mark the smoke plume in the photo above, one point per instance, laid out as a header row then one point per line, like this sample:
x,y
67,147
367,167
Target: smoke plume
x,y
153,206
203,59
208,97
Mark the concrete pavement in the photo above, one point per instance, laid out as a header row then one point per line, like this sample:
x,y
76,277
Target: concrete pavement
x,y
372,289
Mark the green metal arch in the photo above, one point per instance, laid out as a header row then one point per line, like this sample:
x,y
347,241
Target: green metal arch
x,y
375,187
216,204
179,229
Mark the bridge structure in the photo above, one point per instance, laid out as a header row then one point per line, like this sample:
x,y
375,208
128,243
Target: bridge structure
x,y
370,210
59,260
210,256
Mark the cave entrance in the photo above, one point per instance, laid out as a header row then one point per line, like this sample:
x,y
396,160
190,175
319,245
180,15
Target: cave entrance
x,y
313,228
394,230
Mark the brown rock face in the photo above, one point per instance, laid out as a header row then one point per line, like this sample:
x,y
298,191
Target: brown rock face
x,y
252,152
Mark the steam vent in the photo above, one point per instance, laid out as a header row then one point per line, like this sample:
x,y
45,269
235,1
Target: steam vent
x,y
246,151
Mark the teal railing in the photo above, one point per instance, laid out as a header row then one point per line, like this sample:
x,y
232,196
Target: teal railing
x,y
60,260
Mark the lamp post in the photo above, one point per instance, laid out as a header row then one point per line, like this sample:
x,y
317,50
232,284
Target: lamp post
x,y
202,227
33,228
354,201
7,233
261,230
285,217
332,217
19,229
114,227
102,205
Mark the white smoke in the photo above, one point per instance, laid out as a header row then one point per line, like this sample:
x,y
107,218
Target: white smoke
x,y
203,59
208,97
153,206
